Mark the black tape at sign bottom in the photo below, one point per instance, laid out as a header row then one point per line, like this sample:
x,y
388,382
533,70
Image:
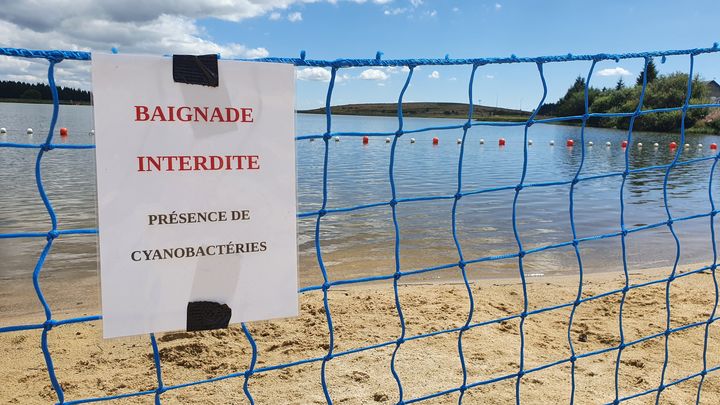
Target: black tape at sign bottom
x,y
206,315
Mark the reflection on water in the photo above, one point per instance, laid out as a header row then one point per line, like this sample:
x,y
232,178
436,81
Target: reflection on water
x,y
361,242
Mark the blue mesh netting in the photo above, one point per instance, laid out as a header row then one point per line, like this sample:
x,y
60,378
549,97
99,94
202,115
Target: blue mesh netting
x,y
55,57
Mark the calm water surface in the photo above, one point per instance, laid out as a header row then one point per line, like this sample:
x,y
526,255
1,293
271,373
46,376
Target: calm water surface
x,y
361,242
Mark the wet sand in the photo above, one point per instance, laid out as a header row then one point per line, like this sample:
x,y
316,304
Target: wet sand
x,y
366,315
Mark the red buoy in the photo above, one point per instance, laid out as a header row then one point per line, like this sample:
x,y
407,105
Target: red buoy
x,y
713,146
63,132
501,142
673,145
436,140
366,139
570,142
623,144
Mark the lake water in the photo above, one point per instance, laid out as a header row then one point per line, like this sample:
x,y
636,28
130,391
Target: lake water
x,y
360,242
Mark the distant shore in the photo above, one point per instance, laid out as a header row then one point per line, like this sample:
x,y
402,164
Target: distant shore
x,y
25,101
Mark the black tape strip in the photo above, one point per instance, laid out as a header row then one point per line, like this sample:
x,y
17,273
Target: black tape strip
x,y
206,315
196,69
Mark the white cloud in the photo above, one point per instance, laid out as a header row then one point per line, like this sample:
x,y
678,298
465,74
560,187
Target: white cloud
x,y
434,75
452,79
395,11
373,74
489,77
416,3
314,74
498,6
617,71
432,13
455,9
133,26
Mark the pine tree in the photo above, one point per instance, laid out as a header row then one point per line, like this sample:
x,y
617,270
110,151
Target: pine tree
x,y
620,84
651,73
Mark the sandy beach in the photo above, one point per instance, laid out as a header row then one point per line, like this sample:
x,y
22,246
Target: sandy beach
x,y
366,315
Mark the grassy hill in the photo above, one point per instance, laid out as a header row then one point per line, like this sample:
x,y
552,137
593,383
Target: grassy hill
x,y
427,110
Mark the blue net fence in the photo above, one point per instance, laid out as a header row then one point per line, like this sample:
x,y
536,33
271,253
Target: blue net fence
x,y
394,203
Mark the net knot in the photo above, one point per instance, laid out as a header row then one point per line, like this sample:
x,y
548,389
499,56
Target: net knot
x,y
573,358
523,315
713,213
326,136
467,126
463,388
518,187
462,264
522,254
52,235
521,373
662,387
400,341
399,133
671,278
616,402
248,373
458,196
393,202
575,242
622,346
49,324
624,232
667,332
703,373
325,286
713,266
322,212
576,303
397,275
670,222
47,147
625,289
328,357
625,173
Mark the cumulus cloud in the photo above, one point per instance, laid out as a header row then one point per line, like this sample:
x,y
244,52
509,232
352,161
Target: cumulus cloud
x,y
374,74
133,26
434,75
489,77
498,6
315,74
617,71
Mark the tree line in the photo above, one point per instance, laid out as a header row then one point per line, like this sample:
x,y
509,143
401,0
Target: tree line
x,y
662,91
40,92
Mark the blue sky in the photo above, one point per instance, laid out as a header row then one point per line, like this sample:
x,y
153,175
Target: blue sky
x,y
400,29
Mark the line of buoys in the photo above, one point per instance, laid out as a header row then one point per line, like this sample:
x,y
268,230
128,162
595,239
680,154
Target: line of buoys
x,y
29,131
623,144
3,131
590,143
529,141
699,145
92,133
552,143
656,144
436,140
63,132
501,142
570,142
713,146
459,141
608,143
639,145
366,140
482,141
387,140
687,145
412,140
673,145
337,139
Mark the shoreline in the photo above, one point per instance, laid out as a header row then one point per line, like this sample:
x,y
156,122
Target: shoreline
x,y
366,315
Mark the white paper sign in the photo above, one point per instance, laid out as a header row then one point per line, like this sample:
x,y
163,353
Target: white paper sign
x,y
196,193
